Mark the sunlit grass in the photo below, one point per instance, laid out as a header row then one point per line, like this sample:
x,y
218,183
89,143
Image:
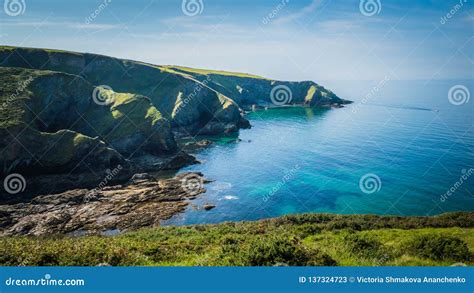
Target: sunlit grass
x,y
294,240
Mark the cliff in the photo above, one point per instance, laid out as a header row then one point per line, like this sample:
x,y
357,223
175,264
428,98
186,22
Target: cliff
x,y
66,112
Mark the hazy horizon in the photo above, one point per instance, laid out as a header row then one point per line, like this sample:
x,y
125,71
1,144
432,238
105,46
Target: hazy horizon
x,y
285,39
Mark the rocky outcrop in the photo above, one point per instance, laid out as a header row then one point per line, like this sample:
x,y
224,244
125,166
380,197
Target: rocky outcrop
x,y
143,202
249,90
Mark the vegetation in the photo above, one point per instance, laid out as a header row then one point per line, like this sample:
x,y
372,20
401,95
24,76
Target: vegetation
x,y
438,247
210,71
310,239
310,94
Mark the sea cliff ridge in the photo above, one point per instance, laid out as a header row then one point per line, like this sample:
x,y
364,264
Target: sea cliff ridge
x,y
68,113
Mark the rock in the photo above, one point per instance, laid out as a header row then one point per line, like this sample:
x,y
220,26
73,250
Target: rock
x,y
178,161
193,147
244,123
208,207
243,140
149,163
113,208
140,177
203,143
200,143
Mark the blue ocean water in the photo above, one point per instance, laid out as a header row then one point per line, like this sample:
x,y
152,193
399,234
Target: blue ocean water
x,y
396,150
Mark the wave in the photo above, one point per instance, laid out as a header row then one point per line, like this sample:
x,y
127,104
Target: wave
x,y
405,107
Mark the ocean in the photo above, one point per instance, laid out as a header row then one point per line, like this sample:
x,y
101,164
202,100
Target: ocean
x,y
402,148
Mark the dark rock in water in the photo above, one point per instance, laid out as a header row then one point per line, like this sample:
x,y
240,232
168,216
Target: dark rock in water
x,y
121,207
244,123
243,140
208,207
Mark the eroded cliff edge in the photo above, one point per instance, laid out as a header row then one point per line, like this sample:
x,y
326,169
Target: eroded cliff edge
x,y
80,115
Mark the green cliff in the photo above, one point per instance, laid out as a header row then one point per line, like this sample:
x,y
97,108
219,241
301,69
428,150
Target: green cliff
x,y
73,112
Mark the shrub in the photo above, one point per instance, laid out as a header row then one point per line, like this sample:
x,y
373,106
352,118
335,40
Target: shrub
x,y
48,259
439,247
273,250
366,246
307,229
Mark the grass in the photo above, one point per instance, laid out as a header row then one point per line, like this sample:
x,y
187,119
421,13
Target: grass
x,y
310,94
311,239
210,71
13,94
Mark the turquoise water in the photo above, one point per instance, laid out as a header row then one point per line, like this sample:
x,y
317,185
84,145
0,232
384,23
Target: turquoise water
x,y
297,160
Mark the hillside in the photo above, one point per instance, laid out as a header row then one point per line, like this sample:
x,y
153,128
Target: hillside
x,y
298,240
67,112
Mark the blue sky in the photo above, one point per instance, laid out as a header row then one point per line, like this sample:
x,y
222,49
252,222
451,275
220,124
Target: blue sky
x,y
282,39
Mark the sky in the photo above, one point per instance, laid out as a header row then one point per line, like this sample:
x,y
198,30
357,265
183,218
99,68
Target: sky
x,y
280,39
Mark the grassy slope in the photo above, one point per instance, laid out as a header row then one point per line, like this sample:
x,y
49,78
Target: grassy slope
x,y
161,83
310,239
57,135
16,117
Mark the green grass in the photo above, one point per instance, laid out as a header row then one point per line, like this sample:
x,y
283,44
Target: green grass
x,y
210,71
310,94
12,48
311,239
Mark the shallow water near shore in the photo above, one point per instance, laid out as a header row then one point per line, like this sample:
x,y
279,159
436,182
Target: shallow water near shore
x,y
405,138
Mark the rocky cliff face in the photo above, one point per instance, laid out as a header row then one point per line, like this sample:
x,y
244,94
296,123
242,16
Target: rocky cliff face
x,y
67,113
186,102
247,90
54,126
